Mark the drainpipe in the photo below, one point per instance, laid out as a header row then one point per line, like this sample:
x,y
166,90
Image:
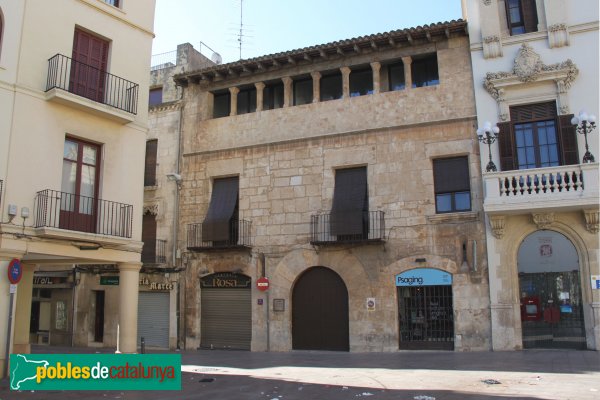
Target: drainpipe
x,y
180,287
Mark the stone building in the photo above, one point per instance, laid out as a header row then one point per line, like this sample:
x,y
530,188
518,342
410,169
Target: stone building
x,y
535,67
159,278
73,123
347,174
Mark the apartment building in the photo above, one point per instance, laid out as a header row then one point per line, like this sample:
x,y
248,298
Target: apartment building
x,y
535,68
74,78
331,198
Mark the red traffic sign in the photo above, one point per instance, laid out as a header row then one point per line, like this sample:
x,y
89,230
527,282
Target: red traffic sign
x,y
15,272
262,283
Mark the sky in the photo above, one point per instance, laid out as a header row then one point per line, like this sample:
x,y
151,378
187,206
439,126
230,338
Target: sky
x,y
272,26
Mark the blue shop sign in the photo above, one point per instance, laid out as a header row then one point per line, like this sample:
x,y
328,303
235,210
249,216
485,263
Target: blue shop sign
x,y
423,277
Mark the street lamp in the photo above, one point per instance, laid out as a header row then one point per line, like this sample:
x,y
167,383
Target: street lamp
x,y
488,135
585,124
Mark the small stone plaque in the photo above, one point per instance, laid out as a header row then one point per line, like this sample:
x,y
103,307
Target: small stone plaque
x,y
278,304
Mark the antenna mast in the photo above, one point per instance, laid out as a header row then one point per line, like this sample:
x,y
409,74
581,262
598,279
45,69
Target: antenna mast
x,y
241,35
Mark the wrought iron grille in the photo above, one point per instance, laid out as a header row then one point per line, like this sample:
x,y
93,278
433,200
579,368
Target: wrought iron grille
x,y
92,83
156,254
54,209
239,236
373,229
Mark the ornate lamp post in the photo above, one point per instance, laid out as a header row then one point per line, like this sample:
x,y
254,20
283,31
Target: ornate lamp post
x,y
585,124
488,135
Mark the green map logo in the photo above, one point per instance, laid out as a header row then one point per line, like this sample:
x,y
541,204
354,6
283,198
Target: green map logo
x,y
95,372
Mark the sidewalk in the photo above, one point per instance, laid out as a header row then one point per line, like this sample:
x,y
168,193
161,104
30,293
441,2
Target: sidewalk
x,y
414,375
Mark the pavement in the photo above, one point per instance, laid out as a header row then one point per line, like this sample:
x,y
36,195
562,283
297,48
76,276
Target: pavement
x,y
412,375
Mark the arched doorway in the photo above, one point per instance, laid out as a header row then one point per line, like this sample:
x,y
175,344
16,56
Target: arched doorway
x,y
320,311
550,292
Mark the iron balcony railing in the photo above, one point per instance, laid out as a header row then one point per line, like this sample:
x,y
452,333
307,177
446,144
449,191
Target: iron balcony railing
x,y
92,83
373,229
54,209
239,236
156,254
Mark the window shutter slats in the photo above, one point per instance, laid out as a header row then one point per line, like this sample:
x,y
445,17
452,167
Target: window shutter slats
x,y
530,19
350,201
221,209
531,112
567,137
506,146
150,167
451,175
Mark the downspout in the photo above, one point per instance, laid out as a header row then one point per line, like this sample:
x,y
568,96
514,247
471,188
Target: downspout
x,y
180,287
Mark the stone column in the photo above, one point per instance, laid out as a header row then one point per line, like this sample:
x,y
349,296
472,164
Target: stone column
x,y
129,277
316,79
345,82
23,311
260,87
233,108
376,67
407,72
287,91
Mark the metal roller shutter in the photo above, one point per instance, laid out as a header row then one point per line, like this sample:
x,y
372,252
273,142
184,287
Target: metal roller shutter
x,y
226,320
153,319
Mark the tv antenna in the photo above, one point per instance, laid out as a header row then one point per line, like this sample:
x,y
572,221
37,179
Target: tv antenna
x,y
241,34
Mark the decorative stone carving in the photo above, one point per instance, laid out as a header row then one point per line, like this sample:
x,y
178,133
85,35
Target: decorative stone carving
x,y
543,220
592,220
487,2
492,47
528,67
151,209
558,35
497,223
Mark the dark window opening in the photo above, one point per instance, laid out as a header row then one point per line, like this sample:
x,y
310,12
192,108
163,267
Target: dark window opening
x,y
331,87
425,71
452,185
273,96
396,76
155,96
112,2
149,239
221,105
246,101
350,210
361,82
221,223
521,16
150,163
303,91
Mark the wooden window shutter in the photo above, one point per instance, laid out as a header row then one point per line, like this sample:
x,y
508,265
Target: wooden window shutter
x,y
149,238
451,175
567,138
350,201
530,18
506,146
150,167
532,112
221,210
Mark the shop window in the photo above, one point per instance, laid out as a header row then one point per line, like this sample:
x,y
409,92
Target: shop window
x,y
222,104
361,82
150,163
246,101
452,184
536,137
155,96
273,96
425,71
221,222
303,91
331,87
350,208
521,16
396,76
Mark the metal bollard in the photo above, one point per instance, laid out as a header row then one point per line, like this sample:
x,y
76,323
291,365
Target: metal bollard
x,y
143,345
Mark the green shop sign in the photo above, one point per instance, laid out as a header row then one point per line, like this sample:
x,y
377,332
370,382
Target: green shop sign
x,y
109,280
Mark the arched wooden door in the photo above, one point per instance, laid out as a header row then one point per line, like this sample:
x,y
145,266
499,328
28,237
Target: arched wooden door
x,y
320,311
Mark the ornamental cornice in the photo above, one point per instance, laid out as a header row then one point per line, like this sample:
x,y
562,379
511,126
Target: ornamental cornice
x,y
170,106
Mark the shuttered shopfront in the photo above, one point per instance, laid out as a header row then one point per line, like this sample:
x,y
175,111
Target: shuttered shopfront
x,y
226,314
153,319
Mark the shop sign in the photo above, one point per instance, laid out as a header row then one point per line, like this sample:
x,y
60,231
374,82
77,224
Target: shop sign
x,y
109,280
595,281
424,277
156,285
225,280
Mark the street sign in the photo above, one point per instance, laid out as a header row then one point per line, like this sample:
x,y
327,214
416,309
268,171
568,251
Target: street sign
x,y
15,272
595,281
262,283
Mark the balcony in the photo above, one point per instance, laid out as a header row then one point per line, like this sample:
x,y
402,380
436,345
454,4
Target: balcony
x,y
86,87
71,212
154,253
568,187
239,237
373,230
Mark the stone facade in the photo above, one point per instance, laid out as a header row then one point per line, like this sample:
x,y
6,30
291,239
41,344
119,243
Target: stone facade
x,y
286,160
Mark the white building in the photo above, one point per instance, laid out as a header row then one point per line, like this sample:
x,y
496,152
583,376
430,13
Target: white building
x,y
535,65
74,77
